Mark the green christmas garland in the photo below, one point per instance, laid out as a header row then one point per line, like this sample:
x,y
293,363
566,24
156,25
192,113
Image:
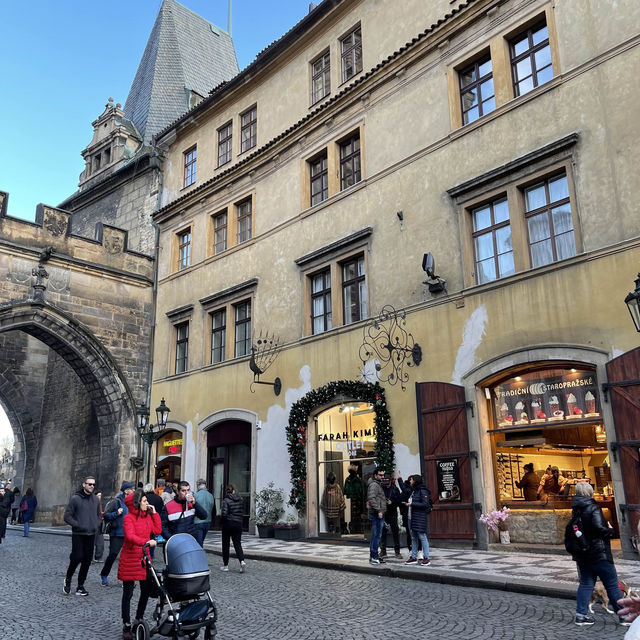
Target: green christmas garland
x,y
297,429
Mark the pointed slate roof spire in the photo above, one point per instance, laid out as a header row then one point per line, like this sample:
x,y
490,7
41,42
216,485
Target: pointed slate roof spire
x,y
186,56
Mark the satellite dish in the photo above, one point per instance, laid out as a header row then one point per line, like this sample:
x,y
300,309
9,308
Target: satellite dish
x,y
429,265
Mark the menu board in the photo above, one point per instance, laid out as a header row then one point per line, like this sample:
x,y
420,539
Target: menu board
x,y
448,474
573,396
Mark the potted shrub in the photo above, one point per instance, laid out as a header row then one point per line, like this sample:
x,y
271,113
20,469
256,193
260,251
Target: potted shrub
x,y
268,509
289,530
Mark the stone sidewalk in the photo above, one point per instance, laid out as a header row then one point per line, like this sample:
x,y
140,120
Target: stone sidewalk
x,y
529,573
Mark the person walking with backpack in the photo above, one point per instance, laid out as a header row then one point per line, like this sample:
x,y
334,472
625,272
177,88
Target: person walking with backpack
x,y
114,514
231,517
28,506
591,551
140,525
421,505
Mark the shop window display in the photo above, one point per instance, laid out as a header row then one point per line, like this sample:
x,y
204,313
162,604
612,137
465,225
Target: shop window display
x,y
547,427
346,441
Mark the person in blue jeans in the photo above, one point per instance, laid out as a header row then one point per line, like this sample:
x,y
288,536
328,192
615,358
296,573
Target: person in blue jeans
x,y
28,511
596,561
420,503
377,502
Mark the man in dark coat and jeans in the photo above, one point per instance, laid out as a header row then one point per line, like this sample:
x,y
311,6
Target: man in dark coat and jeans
x,y
394,499
83,514
114,514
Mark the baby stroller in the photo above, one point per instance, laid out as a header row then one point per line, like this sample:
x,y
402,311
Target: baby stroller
x,y
184,603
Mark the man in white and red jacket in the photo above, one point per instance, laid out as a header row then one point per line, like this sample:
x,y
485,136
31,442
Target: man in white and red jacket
x,y
178,514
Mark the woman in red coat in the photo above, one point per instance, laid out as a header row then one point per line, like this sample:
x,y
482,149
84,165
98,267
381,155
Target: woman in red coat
x,y
141,521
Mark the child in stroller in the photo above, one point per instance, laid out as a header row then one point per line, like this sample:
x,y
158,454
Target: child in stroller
x,y
184,603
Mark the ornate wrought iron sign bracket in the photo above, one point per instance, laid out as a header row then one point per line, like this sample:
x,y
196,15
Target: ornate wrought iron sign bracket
x,y
264,352
387,341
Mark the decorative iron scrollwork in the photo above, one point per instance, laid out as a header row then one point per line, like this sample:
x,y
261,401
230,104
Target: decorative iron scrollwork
x,y
264,352
387,341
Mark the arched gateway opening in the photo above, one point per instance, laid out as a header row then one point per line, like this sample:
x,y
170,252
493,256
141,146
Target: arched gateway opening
x,y
68,404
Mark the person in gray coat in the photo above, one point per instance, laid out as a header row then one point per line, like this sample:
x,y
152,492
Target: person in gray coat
x,y
206,501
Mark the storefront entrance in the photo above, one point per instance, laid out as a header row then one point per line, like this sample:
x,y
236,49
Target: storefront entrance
x,y
169,457
229,462
346,441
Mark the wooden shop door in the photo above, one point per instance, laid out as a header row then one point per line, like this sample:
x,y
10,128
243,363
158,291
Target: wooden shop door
x,y
443,438
623,386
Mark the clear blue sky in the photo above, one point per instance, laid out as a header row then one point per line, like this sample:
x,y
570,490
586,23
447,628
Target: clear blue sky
x,y
60,60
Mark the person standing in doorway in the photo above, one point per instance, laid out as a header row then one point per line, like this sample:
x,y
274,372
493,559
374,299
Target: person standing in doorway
x,y
28,506
377,502
231,516
394,499
114,514
206,501
83,514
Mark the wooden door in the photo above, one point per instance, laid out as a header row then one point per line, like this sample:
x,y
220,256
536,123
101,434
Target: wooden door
x,y
623,386
443,437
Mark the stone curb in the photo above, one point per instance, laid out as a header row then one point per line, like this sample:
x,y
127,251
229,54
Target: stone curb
x,y
422,574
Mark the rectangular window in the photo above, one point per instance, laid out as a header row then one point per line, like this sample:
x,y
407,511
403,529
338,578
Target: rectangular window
x,y
531,59
320,78
350,162
182,346
190,161
476,90
242,328
321,301
184,249
218,335
244,221
549,221
319,179
220,232
492,241
248,129
354,293
225,144
351,54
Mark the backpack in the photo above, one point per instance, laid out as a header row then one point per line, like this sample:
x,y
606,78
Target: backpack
x,y
575,541
110,507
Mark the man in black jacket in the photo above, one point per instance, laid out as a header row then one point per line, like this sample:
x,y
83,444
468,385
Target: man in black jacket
x,y
6,498
83,514
394,499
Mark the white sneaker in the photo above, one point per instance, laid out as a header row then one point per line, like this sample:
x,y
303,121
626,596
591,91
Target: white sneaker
x,y
243,564
420,555
224,568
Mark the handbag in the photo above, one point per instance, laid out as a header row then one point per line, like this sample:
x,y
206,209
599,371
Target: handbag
x,y
24,506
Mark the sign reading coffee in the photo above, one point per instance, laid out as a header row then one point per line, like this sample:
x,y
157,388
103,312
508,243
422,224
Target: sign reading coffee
x,y
539,399
448,475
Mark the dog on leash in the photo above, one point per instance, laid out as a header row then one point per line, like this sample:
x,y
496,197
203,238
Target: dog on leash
x,y
599,595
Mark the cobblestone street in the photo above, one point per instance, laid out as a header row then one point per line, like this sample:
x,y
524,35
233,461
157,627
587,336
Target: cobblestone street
x,y
281,601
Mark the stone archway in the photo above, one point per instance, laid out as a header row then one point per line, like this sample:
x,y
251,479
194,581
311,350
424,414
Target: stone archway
x,y
111,415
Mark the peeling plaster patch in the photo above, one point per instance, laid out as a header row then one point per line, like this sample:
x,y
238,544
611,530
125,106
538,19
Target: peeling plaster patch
x,y
272,456
474,330
616,352
369,373
406,462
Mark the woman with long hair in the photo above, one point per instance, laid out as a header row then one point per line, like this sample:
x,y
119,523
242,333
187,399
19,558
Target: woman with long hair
x,y
139,525
28,506
420,503
231,516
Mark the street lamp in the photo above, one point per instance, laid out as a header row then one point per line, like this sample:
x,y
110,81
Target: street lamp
x,y
633,302
149,432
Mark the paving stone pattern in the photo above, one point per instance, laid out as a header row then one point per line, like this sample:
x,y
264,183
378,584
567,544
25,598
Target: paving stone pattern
x,y
281,601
